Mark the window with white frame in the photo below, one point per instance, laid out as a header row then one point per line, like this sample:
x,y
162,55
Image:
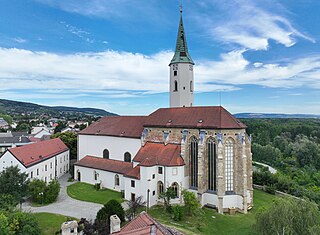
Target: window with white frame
x,y
229,165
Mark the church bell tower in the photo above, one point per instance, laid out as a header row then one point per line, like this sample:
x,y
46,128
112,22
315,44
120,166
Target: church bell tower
x,y
181,72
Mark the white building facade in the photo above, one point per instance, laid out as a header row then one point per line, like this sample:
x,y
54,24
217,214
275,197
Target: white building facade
x,y
46,160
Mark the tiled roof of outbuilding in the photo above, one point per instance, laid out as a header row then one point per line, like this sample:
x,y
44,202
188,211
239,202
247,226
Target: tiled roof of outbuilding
x,y
134,173
99,163
122,126
144,224
152,154
31,154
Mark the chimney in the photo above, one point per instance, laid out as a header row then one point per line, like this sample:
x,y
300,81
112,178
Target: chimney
x,y
114,224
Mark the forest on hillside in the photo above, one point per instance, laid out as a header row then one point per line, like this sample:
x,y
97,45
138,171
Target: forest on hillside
x,y
292,146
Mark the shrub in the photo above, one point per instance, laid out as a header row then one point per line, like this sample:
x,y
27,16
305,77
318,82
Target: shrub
x,y
52,191
177,213
191,202
41,193
36,189
112,207
7,202
97,186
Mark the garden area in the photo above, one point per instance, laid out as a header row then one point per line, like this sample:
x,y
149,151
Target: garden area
x,y
88,192
210,222
50,223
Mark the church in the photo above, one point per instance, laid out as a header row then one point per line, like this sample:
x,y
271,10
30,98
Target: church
x,y
204,150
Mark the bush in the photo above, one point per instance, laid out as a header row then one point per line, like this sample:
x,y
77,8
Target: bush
x,y
41,193
7,202
97,186
112,207
52,191
177,212
191,202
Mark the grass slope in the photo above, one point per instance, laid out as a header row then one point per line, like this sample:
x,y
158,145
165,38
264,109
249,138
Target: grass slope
x,y
213,223
50,223
86,192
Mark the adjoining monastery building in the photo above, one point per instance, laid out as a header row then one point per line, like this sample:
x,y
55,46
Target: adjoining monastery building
x,y
45,160
202,149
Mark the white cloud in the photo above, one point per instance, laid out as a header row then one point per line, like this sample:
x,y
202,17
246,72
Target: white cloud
x,y
124,74
20,40
245,23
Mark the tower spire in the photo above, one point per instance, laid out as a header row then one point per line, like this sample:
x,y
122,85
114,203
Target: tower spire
x,y
181,54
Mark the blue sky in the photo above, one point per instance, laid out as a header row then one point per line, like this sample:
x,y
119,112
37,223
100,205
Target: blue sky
x,y
262,56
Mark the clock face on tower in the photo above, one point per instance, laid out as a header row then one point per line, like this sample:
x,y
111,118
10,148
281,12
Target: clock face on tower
x,y
191,67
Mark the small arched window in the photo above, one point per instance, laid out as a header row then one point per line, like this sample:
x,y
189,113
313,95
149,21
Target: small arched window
x,y
160,187
191,88
175,85
106,154
127,157
116,180
175,188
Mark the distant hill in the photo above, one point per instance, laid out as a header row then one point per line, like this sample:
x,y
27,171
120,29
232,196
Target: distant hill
x,y
274,115
17,107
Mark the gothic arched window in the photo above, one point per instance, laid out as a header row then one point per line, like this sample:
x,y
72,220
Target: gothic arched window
x,y
229,155
106,154
160,187
127,157
175,188
175,85
193,162
116,180
211,159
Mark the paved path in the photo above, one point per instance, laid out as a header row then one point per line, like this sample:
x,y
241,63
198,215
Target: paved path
x,y
66,205
270,168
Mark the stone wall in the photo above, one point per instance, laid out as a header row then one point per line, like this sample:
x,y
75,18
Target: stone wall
x,y
242,161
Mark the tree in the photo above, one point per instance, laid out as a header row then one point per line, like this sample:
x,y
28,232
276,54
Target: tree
x,y
100,227
60,126
70,139
4,225
14,182
36,189
288,216
23,126
7,118
112,207
134,205
52,191
7,202
167,195
191,202
22,223
41,193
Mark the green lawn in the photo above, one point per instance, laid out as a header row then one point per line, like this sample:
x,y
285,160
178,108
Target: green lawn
x,y
86,192
50,223
213,223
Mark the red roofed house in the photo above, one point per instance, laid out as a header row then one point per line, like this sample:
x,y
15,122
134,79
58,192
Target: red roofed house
x,y
44,160
202,149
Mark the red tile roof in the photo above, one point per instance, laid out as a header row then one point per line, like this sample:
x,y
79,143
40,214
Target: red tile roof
x,y
122,126
210,117
152,154
134,173
31,154
144,224
99,163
